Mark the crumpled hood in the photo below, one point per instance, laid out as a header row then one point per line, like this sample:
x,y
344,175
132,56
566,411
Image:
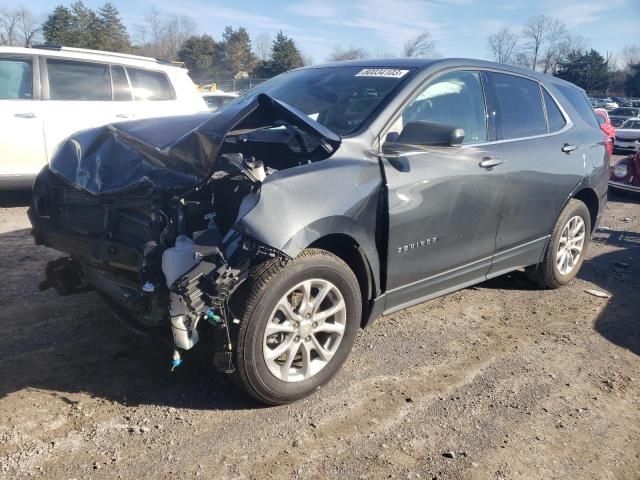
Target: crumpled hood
x,y
170,153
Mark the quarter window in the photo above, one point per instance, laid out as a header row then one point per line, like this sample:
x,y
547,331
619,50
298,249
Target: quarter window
x,y
148,85
555,118
454,99
580,102
16,79
70,80
520,106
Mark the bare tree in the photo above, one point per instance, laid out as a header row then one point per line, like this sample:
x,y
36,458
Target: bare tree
x,y
307,60
534,33
630,56
556,43
175,30
18,27
29,26
262,46
501,45
422,45
163,37
9,29
352,53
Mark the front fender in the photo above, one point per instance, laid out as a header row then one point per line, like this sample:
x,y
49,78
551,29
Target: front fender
x,y
301,205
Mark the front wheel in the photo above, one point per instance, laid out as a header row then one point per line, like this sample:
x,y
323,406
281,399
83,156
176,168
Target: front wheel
x,y
567,247
297,325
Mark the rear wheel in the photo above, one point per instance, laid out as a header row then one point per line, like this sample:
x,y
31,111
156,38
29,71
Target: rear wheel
x,y
567,247
297,325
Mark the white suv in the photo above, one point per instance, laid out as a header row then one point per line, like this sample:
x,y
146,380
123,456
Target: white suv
x,y
48,93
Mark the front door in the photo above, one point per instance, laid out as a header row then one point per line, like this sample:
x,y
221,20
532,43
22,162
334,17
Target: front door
x,y
444,202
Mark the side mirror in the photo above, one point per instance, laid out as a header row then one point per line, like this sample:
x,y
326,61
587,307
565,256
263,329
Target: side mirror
x,y
431,133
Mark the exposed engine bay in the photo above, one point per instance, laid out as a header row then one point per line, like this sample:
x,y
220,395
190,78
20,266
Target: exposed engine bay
x,y
148,214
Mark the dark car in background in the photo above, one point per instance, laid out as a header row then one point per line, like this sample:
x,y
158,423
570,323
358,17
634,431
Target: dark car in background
x,y
619,115
625,174
320,200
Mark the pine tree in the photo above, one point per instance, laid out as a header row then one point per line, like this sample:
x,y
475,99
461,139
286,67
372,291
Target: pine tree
x,y
197,54
85,27
112,35
284,56
588,70
58,26
239,57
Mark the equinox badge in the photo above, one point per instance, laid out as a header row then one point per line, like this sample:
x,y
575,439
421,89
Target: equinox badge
x,y
419,244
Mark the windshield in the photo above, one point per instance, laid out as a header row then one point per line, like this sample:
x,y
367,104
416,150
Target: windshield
x,y
340,98
633,124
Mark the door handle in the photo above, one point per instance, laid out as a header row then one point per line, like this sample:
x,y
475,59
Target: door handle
x,y
566,148
488,162
25,115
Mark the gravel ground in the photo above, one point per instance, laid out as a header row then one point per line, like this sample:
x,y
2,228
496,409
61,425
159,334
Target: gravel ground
x,y
501,380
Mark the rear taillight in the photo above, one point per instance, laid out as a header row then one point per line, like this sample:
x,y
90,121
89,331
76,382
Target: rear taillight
x,y
608,144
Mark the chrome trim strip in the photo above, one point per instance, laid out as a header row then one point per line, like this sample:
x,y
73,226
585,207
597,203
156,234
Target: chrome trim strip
x,y
402,287
466,265
623,186
501,252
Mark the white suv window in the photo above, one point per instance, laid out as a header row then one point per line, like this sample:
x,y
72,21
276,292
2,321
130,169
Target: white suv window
x,y
149,85
70,80
16,78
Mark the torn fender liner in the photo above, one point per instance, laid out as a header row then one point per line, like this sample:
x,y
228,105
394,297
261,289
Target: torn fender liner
x,y
171,153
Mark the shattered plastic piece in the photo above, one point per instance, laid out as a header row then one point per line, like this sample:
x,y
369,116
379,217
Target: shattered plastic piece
x,y
176,361
597,293
214,319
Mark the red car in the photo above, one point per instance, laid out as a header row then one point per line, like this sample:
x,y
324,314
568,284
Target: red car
x,y
625,175
605,125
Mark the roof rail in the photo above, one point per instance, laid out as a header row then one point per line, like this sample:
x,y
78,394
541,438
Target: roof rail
x,y
61,48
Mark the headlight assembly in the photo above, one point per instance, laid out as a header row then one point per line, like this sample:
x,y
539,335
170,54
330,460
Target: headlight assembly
x,y
620,171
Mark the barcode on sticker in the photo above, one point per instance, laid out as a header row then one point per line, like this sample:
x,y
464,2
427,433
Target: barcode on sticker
x,y
382,72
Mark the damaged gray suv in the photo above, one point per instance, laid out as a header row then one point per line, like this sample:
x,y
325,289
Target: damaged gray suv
x,y
270,231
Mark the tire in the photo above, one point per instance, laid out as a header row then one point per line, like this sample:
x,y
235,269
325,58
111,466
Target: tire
x,y
259,303
548,274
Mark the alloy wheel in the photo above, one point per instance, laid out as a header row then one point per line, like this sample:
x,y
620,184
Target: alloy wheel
x,y
570,245
305,330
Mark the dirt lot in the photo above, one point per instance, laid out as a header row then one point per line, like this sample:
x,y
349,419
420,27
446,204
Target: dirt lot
x,y
497,381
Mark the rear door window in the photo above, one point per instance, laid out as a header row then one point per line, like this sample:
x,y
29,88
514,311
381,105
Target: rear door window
x,y
555,118
71,80
16,78
121,89
520,106
149,85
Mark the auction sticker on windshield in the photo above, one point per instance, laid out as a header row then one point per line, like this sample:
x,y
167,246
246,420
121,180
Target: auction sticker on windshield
x,y
382,72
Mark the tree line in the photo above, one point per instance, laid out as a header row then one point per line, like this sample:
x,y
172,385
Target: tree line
x,y
542,43
545,44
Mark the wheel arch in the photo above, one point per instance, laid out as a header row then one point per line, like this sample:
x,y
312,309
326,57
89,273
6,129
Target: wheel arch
x,y
348,250
589,197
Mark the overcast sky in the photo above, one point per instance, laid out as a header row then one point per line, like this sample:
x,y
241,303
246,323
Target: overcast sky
x,y
459,27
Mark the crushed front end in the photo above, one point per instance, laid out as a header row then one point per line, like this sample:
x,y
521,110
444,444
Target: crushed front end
x,y
146,213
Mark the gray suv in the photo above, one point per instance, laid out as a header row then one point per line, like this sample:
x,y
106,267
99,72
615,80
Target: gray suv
x,y
271,231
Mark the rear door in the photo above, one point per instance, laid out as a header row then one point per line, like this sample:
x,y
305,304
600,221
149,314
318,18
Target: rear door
x,y
545,160
22,148
443,202
77,95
